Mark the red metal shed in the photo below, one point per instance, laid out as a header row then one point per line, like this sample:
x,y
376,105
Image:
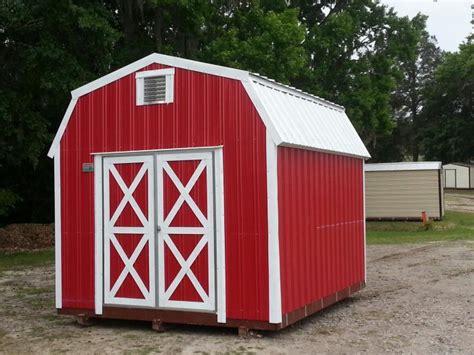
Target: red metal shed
x,y
192,193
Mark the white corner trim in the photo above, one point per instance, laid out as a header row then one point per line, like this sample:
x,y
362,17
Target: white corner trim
x,y
275,307
263,113
98,216
220,233
57,228
365,223
57,138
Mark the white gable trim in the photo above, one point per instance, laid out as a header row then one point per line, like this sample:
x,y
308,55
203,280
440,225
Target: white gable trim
x,y
200,67
165,60
62,127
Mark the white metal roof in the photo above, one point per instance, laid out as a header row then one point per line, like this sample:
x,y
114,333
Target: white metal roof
x,y
422,165
292,117
306,121
465,165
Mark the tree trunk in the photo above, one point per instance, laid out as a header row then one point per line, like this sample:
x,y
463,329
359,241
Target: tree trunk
x,y
158,26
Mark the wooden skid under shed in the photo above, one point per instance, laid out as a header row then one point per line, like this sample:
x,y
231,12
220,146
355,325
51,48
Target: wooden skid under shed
x,y
208,319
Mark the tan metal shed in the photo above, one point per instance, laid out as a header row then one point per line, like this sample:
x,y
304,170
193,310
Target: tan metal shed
x,y
402,191
458,176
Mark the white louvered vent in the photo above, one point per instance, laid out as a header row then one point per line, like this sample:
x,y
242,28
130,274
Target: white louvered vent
x,y
154,89
155,86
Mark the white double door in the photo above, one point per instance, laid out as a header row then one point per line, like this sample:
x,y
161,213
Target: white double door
x,y
159,230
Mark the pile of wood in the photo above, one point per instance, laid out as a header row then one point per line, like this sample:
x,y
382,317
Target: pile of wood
x,y
28,236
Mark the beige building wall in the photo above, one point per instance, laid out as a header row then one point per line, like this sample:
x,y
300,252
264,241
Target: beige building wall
x,y
472,177
402,194
456,176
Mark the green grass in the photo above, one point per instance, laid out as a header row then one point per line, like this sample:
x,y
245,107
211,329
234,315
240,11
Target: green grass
x,y
455,226
25,259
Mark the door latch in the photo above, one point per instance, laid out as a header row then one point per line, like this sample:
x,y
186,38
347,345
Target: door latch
x,y
158,228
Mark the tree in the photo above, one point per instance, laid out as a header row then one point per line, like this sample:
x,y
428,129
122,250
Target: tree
x,y
417,75
260,37
344,50
266,42
448,135
46,49
352,49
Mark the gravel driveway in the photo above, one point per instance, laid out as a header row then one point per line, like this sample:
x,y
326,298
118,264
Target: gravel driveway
x,y
419,298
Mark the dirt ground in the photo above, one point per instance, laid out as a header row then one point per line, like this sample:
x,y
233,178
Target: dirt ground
x,y
459,200
419,298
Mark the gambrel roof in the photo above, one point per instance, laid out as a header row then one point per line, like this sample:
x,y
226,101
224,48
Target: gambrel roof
x,y
293,118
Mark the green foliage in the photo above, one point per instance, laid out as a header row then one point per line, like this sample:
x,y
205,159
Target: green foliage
x,y
449,108
356,53
265,42
8,199
47,48
409,99
352,53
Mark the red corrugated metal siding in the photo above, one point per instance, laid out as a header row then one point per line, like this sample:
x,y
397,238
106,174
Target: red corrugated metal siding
x,y
207,111
321,225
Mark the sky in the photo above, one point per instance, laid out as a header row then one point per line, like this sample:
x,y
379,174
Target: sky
x,y
449,20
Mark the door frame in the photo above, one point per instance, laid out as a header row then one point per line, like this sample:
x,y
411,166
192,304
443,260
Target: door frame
x,y
219,224
455,178
166,231
148,231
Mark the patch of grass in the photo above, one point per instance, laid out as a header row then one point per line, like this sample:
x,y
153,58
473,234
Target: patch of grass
x,y
33,291
25,259
455,226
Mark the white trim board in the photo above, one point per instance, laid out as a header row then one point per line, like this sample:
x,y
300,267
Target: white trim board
x,y
57,229
274,280
365,222
99,237
164,150
62,128
220,231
